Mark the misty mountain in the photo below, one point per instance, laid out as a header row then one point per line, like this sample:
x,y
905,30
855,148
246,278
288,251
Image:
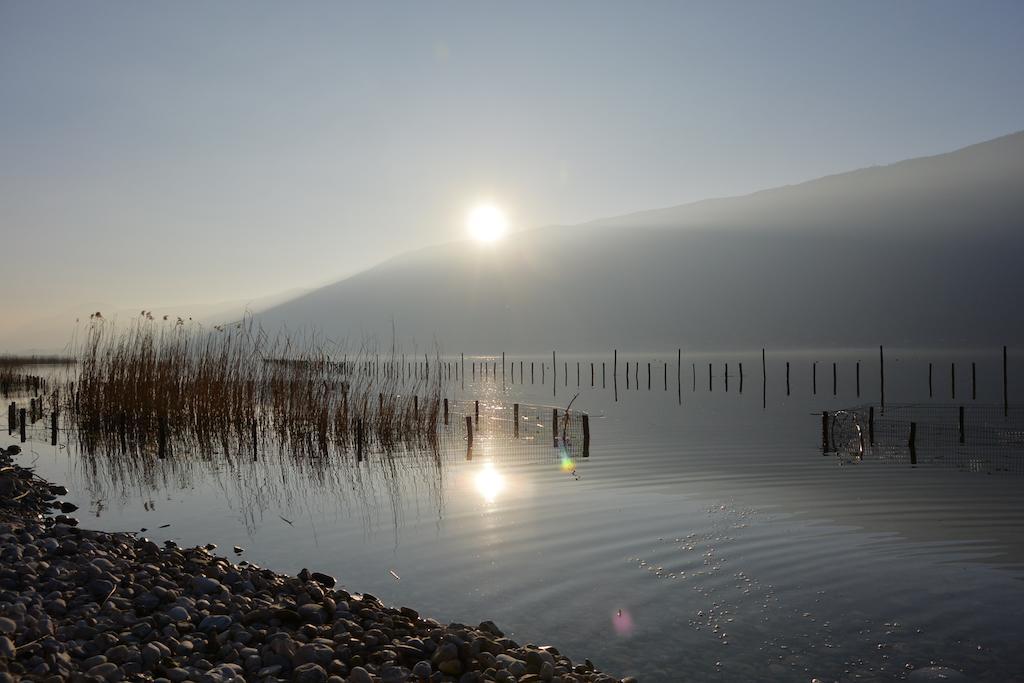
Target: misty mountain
x,y
928,251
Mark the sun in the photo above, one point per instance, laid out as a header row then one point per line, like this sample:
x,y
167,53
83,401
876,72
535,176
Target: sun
x,y
486,223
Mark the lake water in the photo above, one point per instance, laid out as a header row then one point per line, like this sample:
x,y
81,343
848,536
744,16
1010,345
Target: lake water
x,y
707,538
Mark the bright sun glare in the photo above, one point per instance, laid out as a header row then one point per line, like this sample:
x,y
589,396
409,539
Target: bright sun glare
x,y
486,223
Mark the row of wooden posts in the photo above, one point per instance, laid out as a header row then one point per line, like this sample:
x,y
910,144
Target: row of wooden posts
x,y
20,418
457,371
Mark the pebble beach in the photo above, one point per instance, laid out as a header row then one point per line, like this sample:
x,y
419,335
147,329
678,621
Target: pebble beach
x,y
84,605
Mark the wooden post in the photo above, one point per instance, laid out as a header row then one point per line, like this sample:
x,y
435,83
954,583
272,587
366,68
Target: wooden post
x,y
858,379
871,425
961,424
565,372
824,431
764,381
930,380
476,411
586,435
591,375
648,377
693,371
627,376
710,386
446,412
21,423
604,382
615,374
469,431
577,373
554,375
664,367
814,378
741,377
974,381
515,420
881,372
787,378
1006,403
12,417
679,374
53,428
255,441
727,378
531,372
462,359
952,380
835,380
503,369
912,443
162,437
359,439
554,426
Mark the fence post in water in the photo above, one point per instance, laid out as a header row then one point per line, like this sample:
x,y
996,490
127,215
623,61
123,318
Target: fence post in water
x,y
929,380
741,378
53,428
255,441
554,426
21,423
554,375
952,380
709,378
12,417
531,372
446,412
591,375
627,376
577,373
787,378
359,439
503,369
565,372
961,424
871,425
515,420
726,378
824,431
679,374
469,431
665,369
912,443
858,379
604,382
1006,404
615,374
586,435
764,382
476,411
881,374
974,381
162,437
648,377
814,378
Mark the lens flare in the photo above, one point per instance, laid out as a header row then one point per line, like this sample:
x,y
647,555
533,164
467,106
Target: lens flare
x,y
623,623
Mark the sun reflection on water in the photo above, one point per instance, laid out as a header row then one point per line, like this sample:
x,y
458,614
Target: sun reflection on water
x,y
489,482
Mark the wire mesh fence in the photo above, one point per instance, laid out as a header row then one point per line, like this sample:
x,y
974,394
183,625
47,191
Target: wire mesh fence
x,y
973,438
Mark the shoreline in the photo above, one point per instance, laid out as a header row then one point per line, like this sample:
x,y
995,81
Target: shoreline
x,y
84,605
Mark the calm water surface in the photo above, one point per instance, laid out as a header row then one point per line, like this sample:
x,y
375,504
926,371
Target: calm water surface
x,y
708,538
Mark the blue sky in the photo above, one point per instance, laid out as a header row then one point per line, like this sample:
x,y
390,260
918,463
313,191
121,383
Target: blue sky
x,y
195,152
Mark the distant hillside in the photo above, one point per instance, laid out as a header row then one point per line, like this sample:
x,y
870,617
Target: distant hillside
x,y
925,251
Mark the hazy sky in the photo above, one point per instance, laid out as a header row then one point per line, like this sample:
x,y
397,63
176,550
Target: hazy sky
x,y
161,153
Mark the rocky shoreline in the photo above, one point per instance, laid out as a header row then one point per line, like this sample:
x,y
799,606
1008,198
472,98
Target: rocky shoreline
x,y
87,605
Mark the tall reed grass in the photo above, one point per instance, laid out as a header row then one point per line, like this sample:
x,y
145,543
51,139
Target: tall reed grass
x,y
156,386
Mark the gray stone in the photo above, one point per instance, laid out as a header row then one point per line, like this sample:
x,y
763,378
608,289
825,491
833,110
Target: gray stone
x,y
309,673
7,626
215,622
6,648
359,675
178,613
204,585
422,670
